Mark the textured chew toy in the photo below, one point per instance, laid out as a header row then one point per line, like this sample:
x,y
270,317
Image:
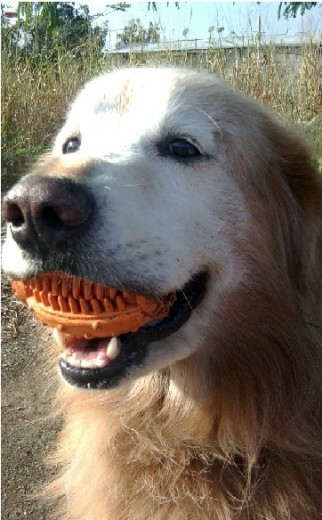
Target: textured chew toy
x,y
84,309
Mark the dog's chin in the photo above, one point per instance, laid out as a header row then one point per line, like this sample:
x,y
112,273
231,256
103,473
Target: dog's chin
x,y
105,363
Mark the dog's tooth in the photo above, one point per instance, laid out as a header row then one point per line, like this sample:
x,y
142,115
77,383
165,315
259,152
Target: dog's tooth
x,y
74,361
100,363
113,348
72,358
87,363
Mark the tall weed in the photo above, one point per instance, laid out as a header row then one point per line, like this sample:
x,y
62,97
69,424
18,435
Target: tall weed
x,y
36,90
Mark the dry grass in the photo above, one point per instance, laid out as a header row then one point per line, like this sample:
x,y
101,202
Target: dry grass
x,y
35,97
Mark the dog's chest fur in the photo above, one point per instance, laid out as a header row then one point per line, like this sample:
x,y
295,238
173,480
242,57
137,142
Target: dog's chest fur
x,y
126,462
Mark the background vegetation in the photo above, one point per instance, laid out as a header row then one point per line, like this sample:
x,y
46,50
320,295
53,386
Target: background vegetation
x,y
55,47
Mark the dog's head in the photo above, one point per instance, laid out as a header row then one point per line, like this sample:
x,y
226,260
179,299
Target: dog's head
x,y
161,182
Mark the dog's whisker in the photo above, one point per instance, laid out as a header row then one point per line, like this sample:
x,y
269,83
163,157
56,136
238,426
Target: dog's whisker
x,y
186,298
212,120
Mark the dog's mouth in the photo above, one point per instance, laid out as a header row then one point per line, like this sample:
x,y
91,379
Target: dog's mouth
x,y
103,332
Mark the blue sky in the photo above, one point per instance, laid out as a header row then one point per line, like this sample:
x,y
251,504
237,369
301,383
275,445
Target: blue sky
x,y
198,17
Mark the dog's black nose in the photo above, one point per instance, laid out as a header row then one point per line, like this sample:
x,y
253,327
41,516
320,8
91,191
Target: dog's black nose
x,y
44,211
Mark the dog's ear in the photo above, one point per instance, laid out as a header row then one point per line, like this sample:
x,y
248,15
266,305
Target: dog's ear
x,y
298,166
301,176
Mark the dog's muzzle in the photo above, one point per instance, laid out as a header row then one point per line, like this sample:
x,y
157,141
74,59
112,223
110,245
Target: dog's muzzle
x,y
45,212
103,331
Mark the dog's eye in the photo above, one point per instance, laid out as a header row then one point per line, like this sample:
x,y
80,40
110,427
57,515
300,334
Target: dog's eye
x,y
183,148
71,145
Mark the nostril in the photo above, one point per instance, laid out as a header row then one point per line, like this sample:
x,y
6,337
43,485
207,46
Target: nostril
x,y
13,214
44,212
50,217
68,213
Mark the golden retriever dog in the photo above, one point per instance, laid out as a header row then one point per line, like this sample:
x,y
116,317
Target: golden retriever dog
x,y
168,181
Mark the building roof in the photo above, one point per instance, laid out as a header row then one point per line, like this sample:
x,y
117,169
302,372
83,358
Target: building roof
x,y
231,42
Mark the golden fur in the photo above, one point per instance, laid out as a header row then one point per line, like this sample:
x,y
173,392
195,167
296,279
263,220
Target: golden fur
x,y
176,445
232,432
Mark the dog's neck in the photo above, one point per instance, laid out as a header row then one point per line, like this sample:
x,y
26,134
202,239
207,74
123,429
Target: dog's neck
x,y
159,441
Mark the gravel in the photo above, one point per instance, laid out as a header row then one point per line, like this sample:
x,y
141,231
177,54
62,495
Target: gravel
x,y
27,432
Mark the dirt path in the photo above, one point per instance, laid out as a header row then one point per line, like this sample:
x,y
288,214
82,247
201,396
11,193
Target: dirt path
x,y
26,432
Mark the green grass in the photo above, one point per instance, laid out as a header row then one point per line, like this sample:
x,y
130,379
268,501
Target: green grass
x,y
319,161
35,98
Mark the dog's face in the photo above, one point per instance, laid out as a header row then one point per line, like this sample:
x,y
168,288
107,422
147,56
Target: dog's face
x,y
148,173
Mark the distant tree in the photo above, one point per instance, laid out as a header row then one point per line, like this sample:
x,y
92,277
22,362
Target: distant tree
x,y
45,28
48,26
135,32
121,6
291,9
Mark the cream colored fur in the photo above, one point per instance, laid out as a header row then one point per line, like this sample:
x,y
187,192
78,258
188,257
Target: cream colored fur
x,y
222,421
